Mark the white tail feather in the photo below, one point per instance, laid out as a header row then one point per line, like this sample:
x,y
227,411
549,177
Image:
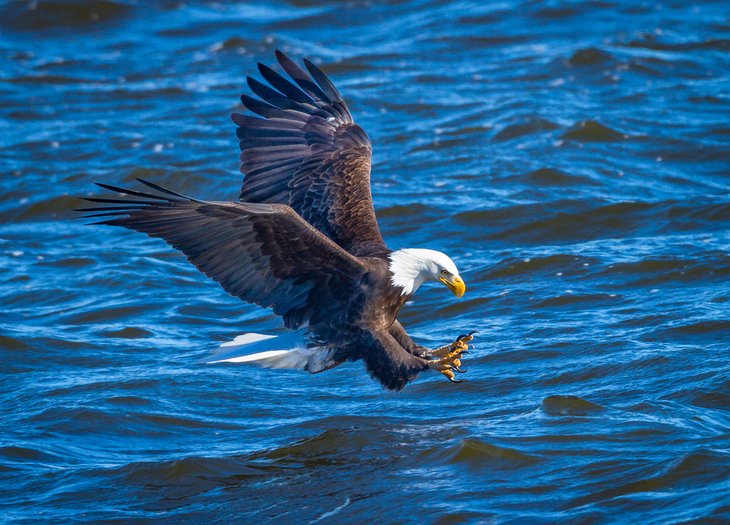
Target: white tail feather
x,y
268,351
244,339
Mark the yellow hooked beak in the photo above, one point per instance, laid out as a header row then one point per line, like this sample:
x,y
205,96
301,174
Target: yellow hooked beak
x,y
457,286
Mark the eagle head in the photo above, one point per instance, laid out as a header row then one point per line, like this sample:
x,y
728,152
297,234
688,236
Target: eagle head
x,y
411,267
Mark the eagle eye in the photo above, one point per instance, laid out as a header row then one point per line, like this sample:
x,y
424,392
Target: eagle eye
x,y
444,272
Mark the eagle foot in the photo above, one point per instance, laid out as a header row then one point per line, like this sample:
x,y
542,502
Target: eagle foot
x,y
447,359
459,346
447,367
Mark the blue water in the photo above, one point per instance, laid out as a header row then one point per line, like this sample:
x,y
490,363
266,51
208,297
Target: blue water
x,y
572,157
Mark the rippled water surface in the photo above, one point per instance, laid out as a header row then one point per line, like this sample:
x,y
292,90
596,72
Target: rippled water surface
x,y
572,157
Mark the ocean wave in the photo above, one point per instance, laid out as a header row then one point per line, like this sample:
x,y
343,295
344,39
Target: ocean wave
x,y
664,480
566,220
475,453
590,56
569,406
51,14
593,131
526,126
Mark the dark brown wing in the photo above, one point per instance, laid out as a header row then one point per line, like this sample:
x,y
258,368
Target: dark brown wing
x,y
308,153
263,253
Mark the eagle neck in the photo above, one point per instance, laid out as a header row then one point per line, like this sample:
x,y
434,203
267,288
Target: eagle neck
x,y
408,270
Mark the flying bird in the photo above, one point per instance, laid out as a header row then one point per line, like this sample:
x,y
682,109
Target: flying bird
x,y
303,240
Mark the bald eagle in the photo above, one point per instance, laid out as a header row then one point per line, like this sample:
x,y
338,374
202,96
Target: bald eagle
x,y
303,239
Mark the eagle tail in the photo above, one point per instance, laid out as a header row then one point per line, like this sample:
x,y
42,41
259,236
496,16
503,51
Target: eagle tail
x,y
269,351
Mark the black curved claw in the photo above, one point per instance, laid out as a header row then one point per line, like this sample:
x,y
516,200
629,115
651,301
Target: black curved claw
x,y
459,370
455,380
464,352
468,336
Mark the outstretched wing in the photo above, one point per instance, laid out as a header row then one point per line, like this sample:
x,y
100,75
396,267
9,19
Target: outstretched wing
x,y
263,253
308,153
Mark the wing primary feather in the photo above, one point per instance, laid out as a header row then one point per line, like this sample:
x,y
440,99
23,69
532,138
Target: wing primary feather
x,y
326,84
300,77
273,97
255,133
283,85
129,192
120,201
165,190
263,108
108,214
116,208
247,121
